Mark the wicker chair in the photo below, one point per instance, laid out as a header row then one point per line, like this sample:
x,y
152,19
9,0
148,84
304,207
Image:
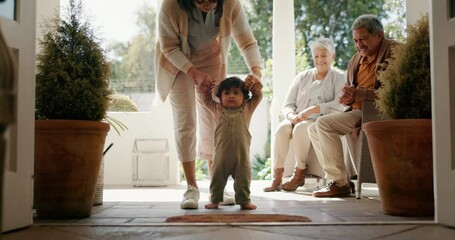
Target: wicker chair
x,y
359,150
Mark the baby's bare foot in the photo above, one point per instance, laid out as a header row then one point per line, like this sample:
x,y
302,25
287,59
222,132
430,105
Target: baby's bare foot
x,y
211,206
248,206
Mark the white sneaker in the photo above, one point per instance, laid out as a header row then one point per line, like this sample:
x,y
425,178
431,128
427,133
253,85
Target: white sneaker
x,y
190,198
227,199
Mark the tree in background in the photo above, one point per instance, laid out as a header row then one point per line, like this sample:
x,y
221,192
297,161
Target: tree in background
x,y
314,18
331,19
396,22
132,62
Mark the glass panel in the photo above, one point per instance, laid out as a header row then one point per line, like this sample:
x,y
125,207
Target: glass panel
x,y
452,96
7,9
11,133
452,8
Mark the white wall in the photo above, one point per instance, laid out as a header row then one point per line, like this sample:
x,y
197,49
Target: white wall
x,y
158,123
415,9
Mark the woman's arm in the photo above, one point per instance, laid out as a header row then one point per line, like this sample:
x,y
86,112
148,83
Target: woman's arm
x,y
170,35
245,40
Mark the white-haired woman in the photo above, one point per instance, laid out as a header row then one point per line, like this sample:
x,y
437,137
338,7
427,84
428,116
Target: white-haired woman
x,y
312,93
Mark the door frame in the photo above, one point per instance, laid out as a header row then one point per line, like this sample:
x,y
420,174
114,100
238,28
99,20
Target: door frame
x,y
442,47
17,189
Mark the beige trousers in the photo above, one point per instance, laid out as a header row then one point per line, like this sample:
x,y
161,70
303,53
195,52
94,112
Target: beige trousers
x,y
326,135
189,112
300,141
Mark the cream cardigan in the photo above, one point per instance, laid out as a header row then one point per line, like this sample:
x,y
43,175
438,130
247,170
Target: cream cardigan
x,y
173,51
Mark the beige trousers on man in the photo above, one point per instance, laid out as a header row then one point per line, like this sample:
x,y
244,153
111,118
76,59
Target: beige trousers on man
x,y
300,141
326,135
184,104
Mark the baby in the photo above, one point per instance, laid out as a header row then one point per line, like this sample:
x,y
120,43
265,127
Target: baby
x,y
232,138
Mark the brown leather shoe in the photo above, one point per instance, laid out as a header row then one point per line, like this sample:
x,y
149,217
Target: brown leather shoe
x,y
297,180
277,178
333,190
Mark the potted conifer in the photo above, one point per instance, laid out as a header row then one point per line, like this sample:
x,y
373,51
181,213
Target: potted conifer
x,y
72,98
401,148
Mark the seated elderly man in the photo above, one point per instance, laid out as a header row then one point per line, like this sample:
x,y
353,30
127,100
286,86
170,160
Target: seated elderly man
x,y
373,49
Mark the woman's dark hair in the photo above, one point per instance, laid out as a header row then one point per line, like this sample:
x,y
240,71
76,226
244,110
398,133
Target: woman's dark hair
x,y
188,5
233,82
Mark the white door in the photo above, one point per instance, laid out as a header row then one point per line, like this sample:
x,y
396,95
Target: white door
x,y
17,22
442,31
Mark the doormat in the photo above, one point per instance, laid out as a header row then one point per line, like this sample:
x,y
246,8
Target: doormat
x,y
236,218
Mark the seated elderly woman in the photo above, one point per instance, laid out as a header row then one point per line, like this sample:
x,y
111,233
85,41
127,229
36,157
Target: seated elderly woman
x,y
313,92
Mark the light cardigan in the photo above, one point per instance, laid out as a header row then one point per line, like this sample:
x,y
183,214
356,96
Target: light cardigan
x,y
173,50
298,97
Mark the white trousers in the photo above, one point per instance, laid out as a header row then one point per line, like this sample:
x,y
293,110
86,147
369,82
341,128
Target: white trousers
x,y
189,112
326,135
300,141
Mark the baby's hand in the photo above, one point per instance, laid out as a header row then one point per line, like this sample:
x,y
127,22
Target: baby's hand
x,y
250,80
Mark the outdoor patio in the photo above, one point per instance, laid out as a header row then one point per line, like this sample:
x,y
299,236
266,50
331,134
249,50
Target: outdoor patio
x,y
140,213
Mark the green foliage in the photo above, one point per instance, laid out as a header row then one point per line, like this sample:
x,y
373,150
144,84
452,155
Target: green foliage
x,y
202,171
236,64
122,103
132,62
260,15
316,18
116,124
261,168
396,26
406,82
72,72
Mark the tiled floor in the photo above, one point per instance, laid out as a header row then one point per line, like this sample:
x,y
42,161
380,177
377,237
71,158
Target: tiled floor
x,y
140,213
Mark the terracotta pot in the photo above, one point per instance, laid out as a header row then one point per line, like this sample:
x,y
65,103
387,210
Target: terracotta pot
x,y
402,156
68,155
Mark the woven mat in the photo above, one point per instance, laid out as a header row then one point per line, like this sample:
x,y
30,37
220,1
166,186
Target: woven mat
x,y
234,218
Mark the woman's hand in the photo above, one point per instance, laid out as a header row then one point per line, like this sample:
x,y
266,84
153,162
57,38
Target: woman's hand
x,y
296,118
256,71
250,80
201,79
306,113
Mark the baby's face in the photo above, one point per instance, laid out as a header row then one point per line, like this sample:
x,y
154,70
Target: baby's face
x,y
232,98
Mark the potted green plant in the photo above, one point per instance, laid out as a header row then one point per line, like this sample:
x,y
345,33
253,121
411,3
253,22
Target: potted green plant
x,y
72,98
401,147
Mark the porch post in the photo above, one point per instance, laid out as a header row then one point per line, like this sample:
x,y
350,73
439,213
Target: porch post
x,y
283,58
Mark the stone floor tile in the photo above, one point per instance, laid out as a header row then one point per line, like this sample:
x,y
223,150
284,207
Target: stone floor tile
x,y
338,232
424,232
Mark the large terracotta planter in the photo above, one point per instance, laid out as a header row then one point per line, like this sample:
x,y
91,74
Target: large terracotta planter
x,y
402,156
68,155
